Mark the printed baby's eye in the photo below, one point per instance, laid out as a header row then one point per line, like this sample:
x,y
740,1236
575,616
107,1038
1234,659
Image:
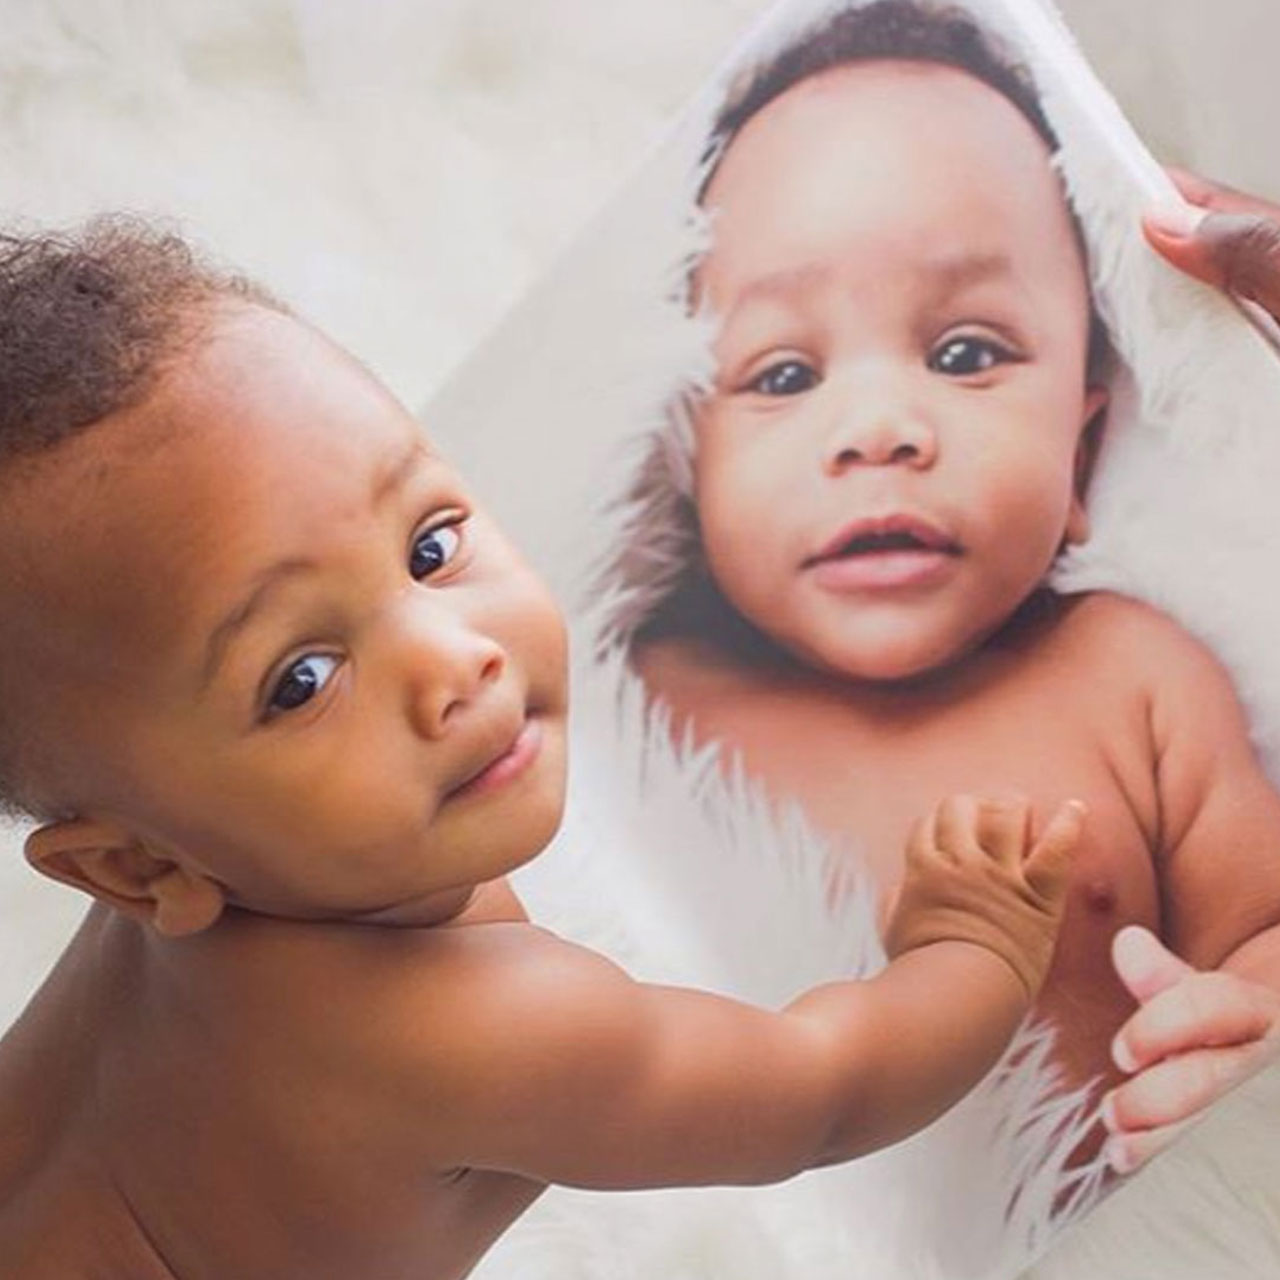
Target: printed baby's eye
x,y
432,549
962,356
786,378
301,682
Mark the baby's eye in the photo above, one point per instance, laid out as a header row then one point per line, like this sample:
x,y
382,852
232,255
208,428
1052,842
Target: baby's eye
x,y
786,378
433,549
302,681
960,357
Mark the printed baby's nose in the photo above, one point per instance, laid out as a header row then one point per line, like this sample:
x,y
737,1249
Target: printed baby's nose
x,y
881,439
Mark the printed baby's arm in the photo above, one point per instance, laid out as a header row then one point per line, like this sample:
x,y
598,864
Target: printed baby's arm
x,y
1209,1000
549,1062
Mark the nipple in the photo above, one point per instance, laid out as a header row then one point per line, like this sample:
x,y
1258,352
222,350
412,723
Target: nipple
x,y
1100,897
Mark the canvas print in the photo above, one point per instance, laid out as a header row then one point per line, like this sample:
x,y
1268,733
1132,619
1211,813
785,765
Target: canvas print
x,y
884,460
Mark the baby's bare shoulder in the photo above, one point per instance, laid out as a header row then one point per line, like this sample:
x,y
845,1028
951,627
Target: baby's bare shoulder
x,y
1137,652
1131,640
1104,617
319,972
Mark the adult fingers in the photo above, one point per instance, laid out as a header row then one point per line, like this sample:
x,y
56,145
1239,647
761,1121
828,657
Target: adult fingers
x,y
1217,196
1238,252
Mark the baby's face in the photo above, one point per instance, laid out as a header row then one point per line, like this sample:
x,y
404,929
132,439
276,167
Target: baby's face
x,y
287,641
888,461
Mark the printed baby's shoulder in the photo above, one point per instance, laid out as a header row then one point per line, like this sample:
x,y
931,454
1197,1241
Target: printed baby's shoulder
x,y
1147,650
1120,630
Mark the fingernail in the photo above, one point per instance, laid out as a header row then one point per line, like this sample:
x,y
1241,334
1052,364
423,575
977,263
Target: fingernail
x,y
1176,219
1107,1113
1118,1157
1122,1056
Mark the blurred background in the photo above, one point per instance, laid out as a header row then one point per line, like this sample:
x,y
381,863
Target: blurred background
x,y
402,170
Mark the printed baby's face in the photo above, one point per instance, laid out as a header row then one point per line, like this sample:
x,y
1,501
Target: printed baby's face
x,y
293,647
888,461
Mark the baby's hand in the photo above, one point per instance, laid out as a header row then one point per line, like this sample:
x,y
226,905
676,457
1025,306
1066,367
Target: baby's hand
x,y
972,876
1195,1036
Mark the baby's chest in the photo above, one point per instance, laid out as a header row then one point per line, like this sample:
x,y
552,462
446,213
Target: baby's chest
x,y
865,785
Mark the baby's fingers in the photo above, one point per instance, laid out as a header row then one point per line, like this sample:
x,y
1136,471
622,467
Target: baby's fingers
x,y
1181,1087
955,828
1002,828
1144,964
1048,865
1205,1010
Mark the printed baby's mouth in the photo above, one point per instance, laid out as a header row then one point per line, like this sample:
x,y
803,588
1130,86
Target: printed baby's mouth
x,y
885,535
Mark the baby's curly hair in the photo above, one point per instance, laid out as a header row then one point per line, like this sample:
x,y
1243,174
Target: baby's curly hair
x,y
90,319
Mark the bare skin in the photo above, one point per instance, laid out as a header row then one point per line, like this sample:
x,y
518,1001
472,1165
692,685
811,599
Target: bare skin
x,y
1100,695
304,710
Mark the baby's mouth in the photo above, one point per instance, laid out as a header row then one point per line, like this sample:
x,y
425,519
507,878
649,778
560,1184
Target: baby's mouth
x,y
886,536
887,554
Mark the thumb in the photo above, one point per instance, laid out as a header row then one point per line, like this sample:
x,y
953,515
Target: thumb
x,y
1144,964
1238,252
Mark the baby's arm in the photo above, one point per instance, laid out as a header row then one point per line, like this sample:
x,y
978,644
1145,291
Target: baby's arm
x,y
1209,1001
547,1061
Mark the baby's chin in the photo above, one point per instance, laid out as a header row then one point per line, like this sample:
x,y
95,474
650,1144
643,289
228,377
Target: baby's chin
x,y
889,666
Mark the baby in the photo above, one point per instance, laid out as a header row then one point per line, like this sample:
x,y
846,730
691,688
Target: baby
x,y
908,396
287,706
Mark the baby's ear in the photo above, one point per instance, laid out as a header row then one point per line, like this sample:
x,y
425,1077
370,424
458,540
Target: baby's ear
x,y
1096,402
110,863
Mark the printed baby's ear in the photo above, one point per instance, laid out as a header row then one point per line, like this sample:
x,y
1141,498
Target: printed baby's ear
x,y
110,863
1096,402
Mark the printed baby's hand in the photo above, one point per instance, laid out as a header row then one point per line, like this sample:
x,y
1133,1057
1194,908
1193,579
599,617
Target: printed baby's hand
x,y
973,875
1195,1036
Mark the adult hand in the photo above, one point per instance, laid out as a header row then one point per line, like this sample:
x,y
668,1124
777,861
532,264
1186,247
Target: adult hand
x,y
1230,239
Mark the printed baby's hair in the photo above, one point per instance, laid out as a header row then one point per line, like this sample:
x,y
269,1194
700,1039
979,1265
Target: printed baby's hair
x,y
886,30
89,320
897,31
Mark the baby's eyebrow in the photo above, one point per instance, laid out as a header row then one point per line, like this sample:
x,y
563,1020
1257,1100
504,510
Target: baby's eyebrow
x,y
387,481
953,273
783,285
942,277
263,585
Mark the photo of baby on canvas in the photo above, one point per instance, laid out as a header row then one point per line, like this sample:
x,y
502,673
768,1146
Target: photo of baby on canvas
x,y
910,395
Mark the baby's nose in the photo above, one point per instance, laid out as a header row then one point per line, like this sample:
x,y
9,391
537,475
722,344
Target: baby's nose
x,y
451,666
881,437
